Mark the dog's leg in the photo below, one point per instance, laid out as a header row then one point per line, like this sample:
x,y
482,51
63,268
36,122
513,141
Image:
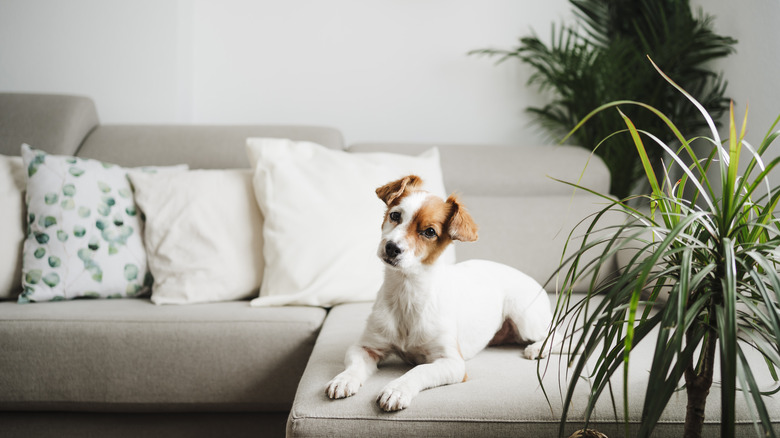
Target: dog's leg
x,y
360,364
399,393
530,317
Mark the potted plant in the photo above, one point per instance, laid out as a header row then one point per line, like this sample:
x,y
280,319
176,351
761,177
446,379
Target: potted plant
x,y
704,277
602,58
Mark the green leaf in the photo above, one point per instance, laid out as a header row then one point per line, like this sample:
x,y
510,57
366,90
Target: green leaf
x,y
62,236
109,200
69,190
79,231
50,198
47,221
131,272
75,171
101,224
51,279
33,276
54,261
41,238
32,168
68,204
131,211
24,297
125,193
105,188
84,212
110,235
94,244
85,255
39,253
103,209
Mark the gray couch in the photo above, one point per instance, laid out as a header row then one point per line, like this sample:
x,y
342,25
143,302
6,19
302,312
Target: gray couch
x,y
130,368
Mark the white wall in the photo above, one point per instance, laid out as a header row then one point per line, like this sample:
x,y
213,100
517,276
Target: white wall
x,y
382,70
123,54
392,70
753,72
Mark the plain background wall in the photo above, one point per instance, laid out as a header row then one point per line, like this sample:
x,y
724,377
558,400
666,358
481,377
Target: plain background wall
x,y
382,70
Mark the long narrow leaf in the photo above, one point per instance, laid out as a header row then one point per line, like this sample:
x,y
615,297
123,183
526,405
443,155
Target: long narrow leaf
x,y
727,331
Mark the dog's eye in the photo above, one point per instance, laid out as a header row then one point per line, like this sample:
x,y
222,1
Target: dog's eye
x,y
429,233
395,216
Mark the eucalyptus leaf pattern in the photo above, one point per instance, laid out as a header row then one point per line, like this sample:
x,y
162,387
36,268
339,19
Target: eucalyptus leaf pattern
x,y
84,234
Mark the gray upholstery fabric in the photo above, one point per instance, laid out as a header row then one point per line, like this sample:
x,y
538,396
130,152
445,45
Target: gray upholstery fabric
x,y
54,123
507,170
502,396
530,232
132,356
167,424
200,146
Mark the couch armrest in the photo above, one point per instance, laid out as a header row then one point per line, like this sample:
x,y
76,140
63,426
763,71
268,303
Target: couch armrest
x,y
56,124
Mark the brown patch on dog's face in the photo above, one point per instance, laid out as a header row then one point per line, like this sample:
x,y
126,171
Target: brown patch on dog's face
x,y
427,234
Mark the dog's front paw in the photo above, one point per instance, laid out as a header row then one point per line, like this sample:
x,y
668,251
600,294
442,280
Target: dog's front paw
x,y
343,386
393,399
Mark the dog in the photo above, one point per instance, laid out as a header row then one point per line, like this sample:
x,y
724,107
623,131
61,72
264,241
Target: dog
x,y
437,316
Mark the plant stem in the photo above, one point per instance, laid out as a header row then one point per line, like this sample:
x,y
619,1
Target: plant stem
x,y
698,385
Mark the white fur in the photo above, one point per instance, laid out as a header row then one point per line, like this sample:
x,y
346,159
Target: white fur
x,y
437,316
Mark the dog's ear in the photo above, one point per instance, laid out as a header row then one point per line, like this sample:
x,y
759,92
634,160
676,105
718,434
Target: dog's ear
x,y
391,191
461,225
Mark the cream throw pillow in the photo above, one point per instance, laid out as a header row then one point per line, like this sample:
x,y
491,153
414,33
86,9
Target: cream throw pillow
x,y
12,225
203,235
323,219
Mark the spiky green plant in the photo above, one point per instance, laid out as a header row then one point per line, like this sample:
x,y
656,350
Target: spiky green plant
x,y
704,278
602,58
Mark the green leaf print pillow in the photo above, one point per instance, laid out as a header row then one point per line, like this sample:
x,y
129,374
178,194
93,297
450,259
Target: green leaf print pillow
x,y
85,233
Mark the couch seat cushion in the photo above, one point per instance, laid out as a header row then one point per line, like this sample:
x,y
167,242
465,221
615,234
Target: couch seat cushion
x,y
133,356
501,397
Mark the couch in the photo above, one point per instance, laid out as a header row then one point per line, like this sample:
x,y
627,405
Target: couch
x,y
128,367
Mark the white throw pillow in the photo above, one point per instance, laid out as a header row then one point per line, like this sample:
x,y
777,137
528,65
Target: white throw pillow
x,y
323,219
85,232
12,225
204,235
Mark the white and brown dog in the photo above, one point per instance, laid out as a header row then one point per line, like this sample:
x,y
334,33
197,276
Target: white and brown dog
x,y
432,315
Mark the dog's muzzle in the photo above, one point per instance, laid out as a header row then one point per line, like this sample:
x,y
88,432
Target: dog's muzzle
x,y
392,252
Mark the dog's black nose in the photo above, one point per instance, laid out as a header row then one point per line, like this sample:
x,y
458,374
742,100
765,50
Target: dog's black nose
x,y
392,250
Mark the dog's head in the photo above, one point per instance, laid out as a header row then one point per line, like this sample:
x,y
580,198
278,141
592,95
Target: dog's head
x,y
418,226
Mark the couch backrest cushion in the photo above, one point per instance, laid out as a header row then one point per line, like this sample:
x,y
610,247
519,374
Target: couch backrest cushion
x,y
53,123
496,170
200,146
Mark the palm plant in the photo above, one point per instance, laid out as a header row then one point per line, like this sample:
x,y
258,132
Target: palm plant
x,y
704,277
602,59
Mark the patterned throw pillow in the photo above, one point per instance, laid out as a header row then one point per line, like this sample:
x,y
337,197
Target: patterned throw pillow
x,y
85,233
